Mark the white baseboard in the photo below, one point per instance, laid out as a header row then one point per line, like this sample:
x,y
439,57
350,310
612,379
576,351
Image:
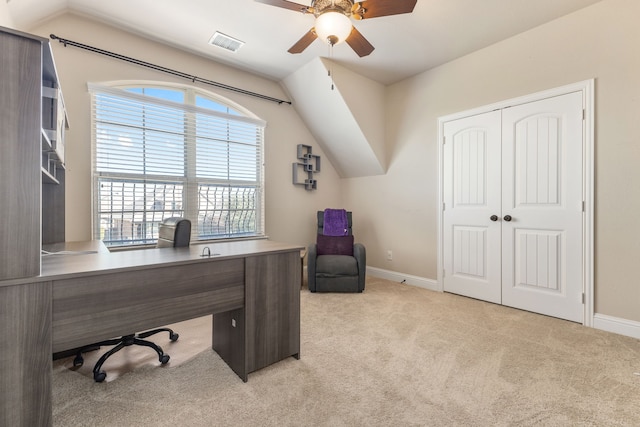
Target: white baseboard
x,y
617,325
408,279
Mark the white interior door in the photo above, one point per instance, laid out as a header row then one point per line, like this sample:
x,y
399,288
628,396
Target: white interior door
x,y
542,194
472,183
513,206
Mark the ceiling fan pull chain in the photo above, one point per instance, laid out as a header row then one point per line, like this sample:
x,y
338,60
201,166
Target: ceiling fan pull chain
x,y
330,71
330,51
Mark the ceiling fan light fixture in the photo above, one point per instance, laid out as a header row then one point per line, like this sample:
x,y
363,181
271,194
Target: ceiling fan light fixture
x,y
333,27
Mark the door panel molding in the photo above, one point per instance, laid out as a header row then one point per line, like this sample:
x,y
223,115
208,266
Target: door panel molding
x,y
470,247
535,185
538,256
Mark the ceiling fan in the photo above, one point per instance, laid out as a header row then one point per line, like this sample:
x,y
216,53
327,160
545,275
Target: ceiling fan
x,y
333,20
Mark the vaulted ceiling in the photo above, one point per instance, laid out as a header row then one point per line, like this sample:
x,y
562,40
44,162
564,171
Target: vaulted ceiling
x,y
436,32
347,124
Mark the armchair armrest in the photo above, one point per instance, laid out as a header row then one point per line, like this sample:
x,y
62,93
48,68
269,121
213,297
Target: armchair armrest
x,y
312,253
360,254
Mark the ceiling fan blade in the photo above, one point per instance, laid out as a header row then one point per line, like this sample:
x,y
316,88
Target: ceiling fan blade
x,y
304,42
377,8
359,44
286,5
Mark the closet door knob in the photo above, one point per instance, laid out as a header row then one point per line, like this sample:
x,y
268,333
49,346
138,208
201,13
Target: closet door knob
x,y
493,217
507,218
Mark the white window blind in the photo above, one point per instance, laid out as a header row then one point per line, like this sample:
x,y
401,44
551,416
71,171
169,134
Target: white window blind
x,y
158,153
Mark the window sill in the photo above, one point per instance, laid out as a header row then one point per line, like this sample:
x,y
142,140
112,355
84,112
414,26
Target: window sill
x,y
196,242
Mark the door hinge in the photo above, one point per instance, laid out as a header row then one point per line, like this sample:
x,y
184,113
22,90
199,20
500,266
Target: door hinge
x,y
444,273
584,208
443,206
584,114
583,298
444,140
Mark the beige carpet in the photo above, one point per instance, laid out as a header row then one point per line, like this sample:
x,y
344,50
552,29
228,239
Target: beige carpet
x,y
394,355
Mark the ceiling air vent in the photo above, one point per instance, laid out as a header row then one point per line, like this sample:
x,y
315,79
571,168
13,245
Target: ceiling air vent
x,y
225,42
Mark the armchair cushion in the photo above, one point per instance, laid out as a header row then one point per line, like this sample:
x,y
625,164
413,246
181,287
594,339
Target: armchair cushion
x,y
336,266
335,245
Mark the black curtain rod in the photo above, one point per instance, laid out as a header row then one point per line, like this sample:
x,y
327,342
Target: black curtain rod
x,y
194,79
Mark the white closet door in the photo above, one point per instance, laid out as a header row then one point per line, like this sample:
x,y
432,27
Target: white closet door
x,y
542,193
472,191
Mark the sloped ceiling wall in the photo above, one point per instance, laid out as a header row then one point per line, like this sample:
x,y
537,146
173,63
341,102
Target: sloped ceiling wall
x,y
348,121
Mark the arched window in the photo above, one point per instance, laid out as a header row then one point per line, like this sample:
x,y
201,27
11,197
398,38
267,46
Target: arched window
x,y
163,151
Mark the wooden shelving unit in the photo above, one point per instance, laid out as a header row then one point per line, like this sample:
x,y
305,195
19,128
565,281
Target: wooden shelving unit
x,y
33,121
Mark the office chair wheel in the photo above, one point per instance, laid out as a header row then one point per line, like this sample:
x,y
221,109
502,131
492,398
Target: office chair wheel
x,y
174,337
78,361
99,376
164,359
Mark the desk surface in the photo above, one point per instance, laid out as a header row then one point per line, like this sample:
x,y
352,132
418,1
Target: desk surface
x,y
100,260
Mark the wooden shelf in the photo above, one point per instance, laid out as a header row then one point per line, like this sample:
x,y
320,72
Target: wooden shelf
x,y
46,142
47,178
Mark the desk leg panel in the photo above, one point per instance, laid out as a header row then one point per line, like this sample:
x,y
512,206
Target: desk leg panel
x,y
229,340
25,355
272,308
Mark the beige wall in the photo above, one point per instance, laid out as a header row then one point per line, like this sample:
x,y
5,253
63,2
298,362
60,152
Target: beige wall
x,y
290,210
5,18
598,42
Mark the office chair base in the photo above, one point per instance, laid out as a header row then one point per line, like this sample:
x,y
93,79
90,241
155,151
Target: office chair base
x,y
127,340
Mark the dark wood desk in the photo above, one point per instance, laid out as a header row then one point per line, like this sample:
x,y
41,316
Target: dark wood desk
x,y
251,288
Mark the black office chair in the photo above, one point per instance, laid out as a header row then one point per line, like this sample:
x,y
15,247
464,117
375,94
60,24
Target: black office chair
x,y
173,232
